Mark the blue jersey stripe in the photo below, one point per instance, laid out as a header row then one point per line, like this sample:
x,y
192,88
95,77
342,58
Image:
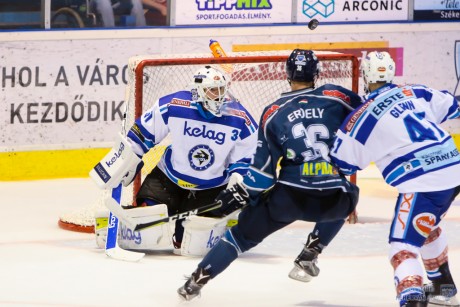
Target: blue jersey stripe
x,y
257,180
411,166
453,111
240,166
131,135
150,138
409,156
345,168
420,172
421,92
365,129
399,171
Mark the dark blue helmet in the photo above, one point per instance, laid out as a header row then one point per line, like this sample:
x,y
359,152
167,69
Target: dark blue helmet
x,y
302,65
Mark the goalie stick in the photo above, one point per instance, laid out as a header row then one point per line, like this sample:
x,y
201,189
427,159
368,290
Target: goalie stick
x,y
131,223
112,249
114,207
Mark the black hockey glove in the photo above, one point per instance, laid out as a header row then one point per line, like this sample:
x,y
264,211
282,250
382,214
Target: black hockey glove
x,y
232,198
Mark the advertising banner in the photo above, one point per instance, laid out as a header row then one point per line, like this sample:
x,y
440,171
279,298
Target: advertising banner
x,y
66,94
437,10
205,12
60,92
352,10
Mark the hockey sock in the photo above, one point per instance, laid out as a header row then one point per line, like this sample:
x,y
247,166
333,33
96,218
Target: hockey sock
x,y
220,256
326,231
434,254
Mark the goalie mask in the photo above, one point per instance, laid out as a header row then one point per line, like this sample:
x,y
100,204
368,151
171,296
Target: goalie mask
x,y
377,67
211,87
303,66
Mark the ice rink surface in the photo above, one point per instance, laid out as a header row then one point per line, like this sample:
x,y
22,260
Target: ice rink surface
x,y
43,265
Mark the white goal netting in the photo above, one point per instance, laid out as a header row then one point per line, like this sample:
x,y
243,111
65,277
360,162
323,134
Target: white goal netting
x,y
256,80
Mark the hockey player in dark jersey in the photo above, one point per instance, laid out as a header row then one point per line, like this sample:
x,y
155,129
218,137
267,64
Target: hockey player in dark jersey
x,y
295,132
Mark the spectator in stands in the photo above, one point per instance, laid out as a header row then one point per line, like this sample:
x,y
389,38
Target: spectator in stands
x,y
156,13
107,9
159,5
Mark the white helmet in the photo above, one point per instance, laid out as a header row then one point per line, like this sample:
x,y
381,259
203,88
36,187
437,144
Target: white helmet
x,y
377,67
211,88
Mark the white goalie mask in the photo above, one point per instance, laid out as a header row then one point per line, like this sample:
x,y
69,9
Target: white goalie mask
x,y
377,67
211,87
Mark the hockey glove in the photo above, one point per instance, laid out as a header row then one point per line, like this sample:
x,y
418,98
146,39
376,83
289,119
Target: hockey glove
x,y
129,176
120,165
232,198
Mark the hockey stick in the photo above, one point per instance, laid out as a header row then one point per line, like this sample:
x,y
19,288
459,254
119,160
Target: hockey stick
x,y
121,213
112,249
235,178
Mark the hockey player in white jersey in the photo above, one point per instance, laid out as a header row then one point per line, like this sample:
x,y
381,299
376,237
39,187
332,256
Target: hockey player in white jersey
x,y
212,136
398,128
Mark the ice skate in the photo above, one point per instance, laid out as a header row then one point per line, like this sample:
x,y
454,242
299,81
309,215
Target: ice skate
x,y
440,300
192,287
305,267
442,291
415,304
413,297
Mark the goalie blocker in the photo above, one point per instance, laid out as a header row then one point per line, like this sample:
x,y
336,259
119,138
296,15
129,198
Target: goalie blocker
x,y
120,165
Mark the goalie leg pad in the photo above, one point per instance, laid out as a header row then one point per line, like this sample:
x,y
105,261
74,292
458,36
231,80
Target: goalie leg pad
x,y
153,238
202,233
100,227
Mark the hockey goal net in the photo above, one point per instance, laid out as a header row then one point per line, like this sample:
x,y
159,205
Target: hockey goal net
x,y
256,80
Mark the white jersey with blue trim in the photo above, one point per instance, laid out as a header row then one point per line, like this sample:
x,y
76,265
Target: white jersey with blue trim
x,y
399,129
204,149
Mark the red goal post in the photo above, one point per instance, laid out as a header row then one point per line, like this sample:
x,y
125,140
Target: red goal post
x,y
256,80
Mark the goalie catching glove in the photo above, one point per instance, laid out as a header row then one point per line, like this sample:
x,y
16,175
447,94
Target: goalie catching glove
x,y
120,165
232,198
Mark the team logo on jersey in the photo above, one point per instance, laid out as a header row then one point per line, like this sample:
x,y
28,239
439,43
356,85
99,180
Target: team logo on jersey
x,y
423,223
195,95
239,113
290,154
272,110
180,102
321,168
204,132
354,118
338,94
407,92
284,139
148,116
201,157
